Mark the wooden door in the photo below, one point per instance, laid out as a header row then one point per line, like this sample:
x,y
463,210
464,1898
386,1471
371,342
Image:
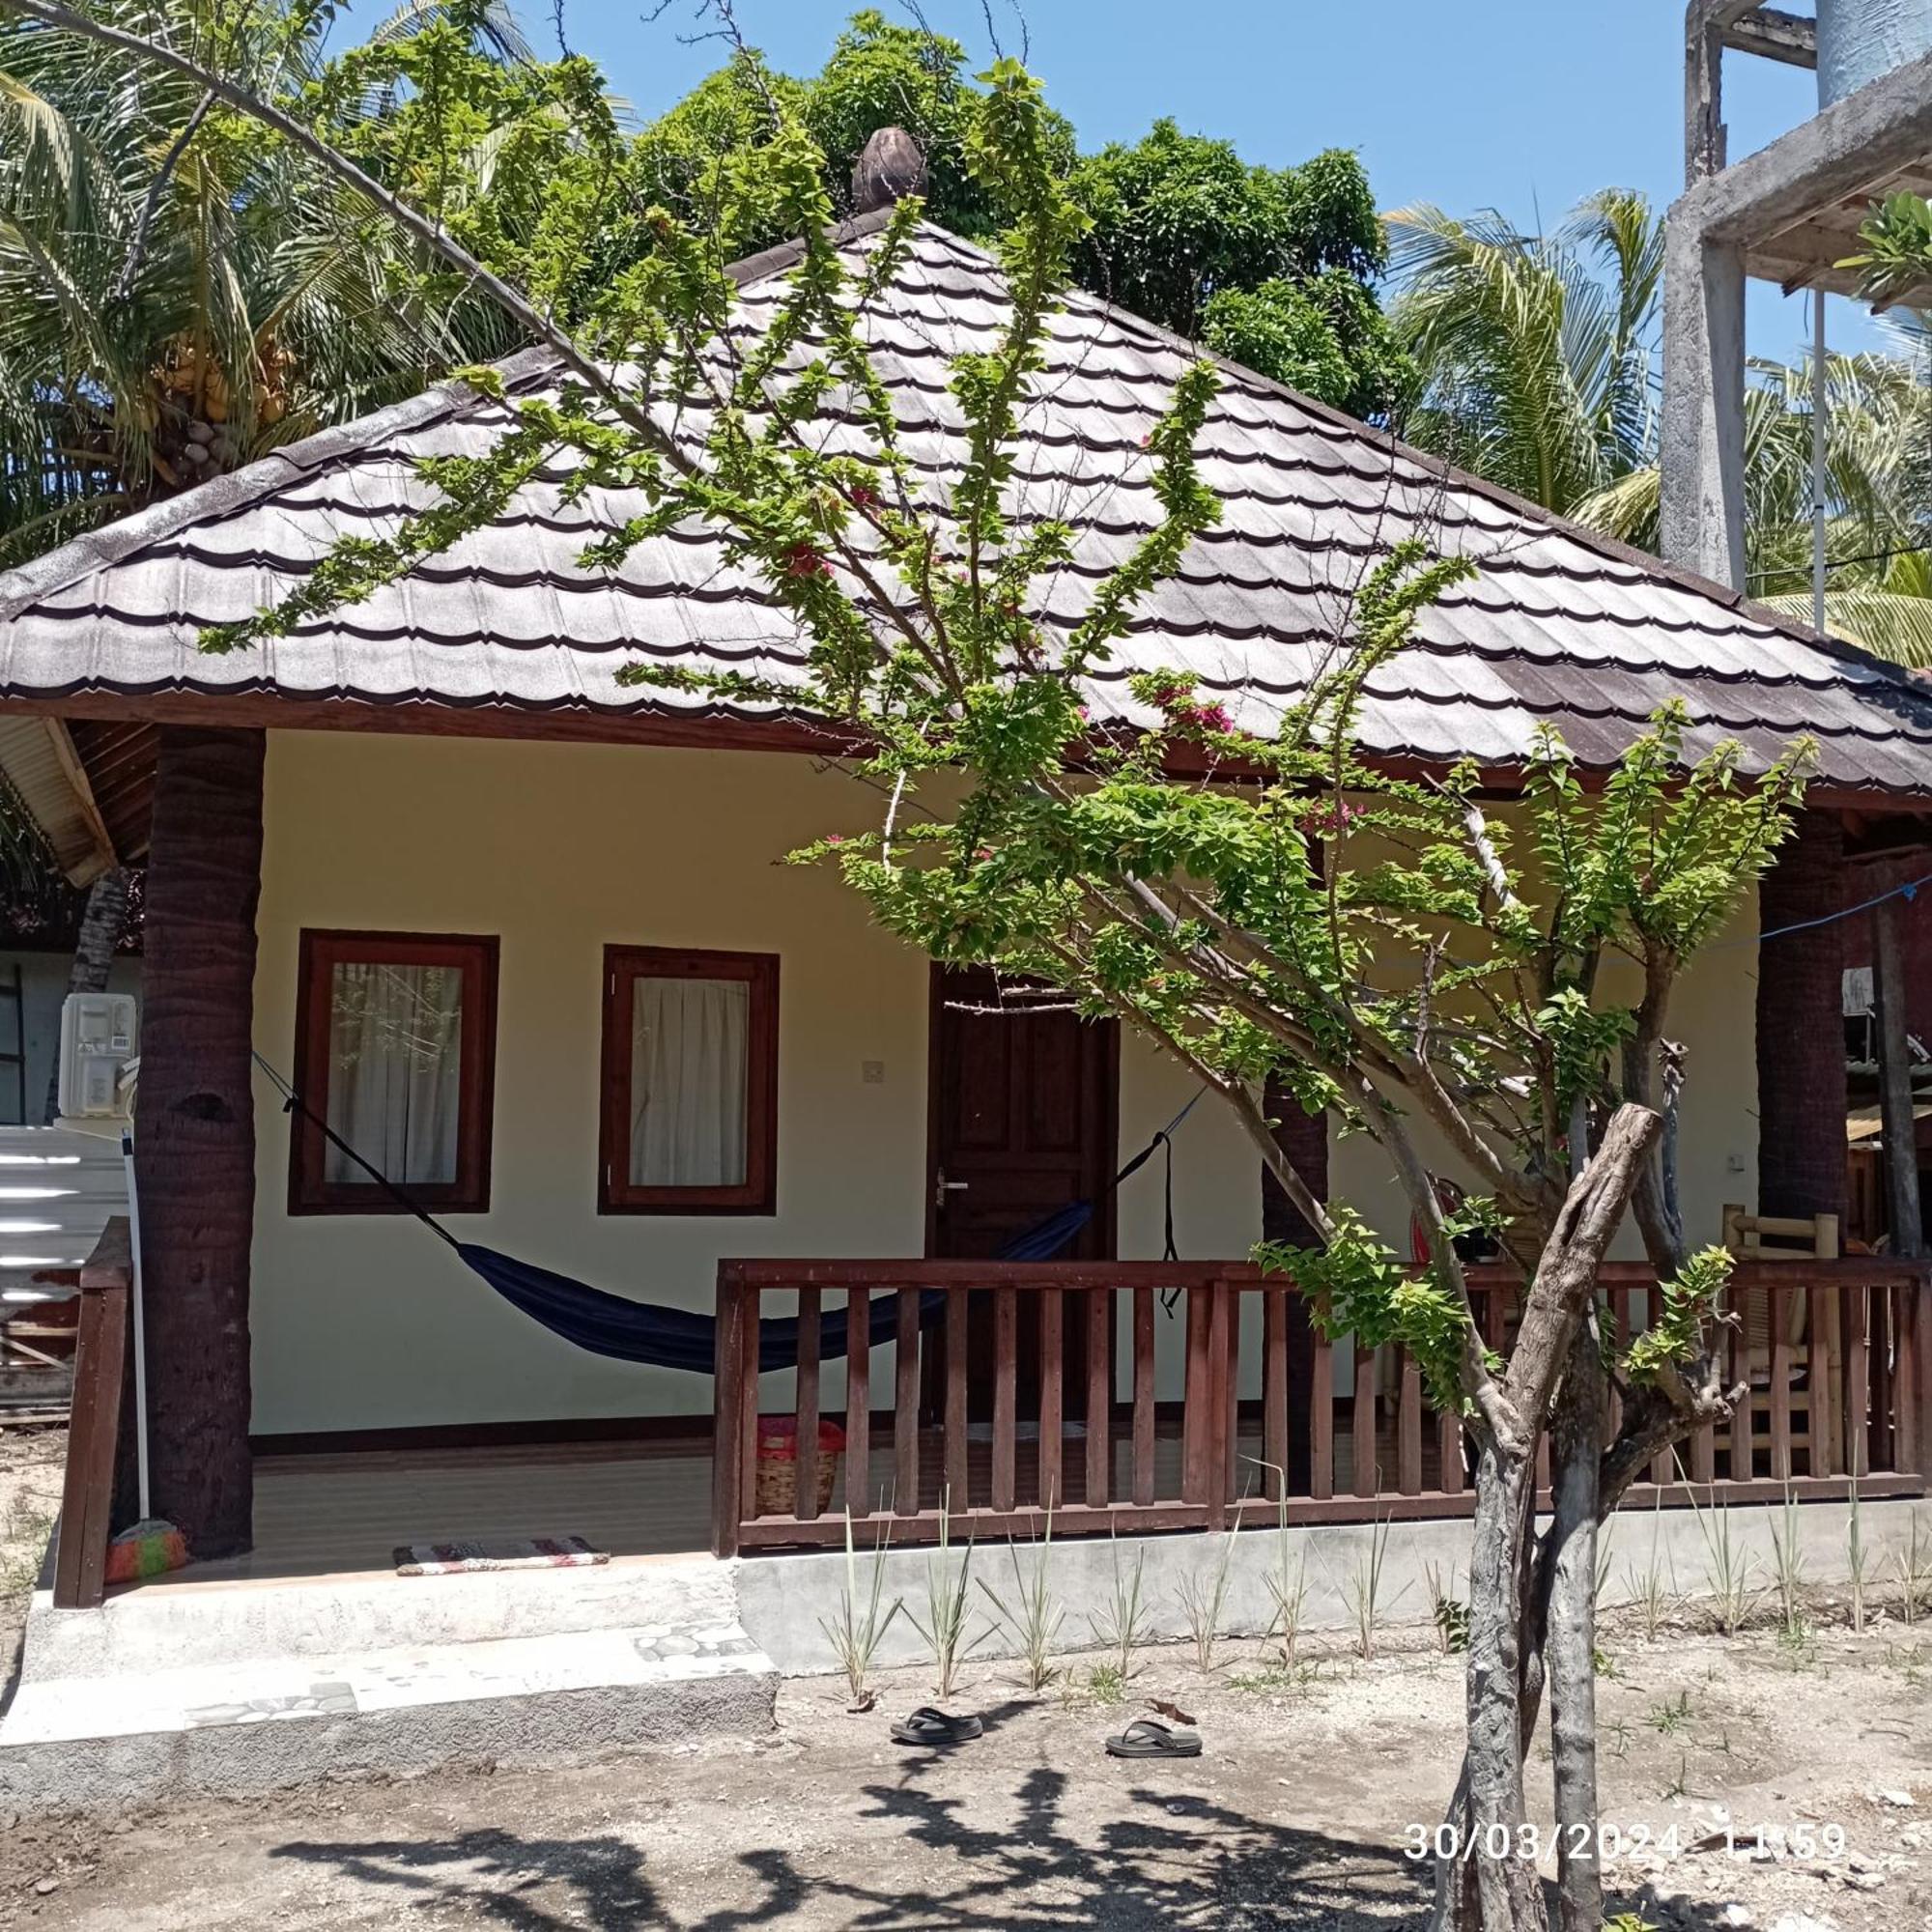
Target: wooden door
x,y
1023,1123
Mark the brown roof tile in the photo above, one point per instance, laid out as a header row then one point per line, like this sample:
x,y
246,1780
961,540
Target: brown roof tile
x,y
1559,627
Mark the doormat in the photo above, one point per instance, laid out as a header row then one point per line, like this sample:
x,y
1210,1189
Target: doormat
x,y
509,1553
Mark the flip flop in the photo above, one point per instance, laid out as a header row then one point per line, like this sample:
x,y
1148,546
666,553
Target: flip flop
x,y
935,1729
1149,1737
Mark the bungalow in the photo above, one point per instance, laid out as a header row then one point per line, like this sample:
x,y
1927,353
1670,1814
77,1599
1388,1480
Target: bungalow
x,y
518,935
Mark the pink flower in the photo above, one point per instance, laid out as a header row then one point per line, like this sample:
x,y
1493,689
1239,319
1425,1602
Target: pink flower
x,y
1331,820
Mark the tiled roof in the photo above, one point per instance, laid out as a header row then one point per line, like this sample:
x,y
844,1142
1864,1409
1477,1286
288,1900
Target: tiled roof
x,y
1558,627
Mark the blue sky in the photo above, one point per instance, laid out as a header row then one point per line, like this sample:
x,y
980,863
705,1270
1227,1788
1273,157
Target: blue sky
x,y
1525,105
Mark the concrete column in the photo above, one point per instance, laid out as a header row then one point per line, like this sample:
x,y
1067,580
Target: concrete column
x,y
1702,441
1800,1028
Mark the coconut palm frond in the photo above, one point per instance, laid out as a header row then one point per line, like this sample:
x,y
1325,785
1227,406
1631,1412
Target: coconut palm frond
x,y
1888,624
496,26
1626,509
171,307
1533,365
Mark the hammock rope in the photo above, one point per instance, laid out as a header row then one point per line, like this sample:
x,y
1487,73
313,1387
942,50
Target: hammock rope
x,y
615,1327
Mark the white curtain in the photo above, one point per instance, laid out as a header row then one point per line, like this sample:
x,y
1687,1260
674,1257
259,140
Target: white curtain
x,y
688,1078
395,1050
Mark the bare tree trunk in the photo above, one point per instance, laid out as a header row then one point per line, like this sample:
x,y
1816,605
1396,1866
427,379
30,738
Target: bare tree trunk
x,y
1570,1637
101,924
194,1141
1490,1883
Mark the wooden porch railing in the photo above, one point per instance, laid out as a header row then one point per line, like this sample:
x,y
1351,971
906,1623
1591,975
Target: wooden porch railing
x,y
1038,1385
94,1423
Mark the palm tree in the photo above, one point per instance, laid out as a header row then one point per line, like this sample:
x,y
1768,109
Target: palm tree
x,y
179,294
1539,360
1536,353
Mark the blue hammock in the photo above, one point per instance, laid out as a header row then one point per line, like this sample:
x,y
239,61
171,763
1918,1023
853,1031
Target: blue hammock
x,y
682,1338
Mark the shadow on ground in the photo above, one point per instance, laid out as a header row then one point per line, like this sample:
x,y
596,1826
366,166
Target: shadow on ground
x,y
1170,1859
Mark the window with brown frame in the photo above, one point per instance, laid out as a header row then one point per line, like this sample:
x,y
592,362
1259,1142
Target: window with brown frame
x,y
691,1081
395,1048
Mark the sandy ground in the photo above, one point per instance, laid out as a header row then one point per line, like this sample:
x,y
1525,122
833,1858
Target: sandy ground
x,y
30,1484
1296,1816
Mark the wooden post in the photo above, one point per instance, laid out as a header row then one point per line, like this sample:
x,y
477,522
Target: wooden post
x,y
1801,1049
94,1426
1894,1082
194,1130
1048,1489
1303,1137
906,1406
858,1400
811,1340
1006,1393
1220,1387
1920,1297
728,1405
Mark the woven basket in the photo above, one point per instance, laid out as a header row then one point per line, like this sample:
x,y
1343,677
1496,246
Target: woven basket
x,y
775,1483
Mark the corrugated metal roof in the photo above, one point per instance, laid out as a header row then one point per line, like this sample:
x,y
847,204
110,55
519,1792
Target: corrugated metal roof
x,y
45,770
1560,627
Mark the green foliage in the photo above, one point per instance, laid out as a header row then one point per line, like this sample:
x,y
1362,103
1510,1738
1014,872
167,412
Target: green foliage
x,y
181,291
1536,353
1688,1297
1268,266
1358,1285
1178,216
1325,337
1896,259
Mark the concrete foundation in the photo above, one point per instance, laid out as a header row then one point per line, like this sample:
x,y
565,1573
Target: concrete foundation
x,y
784,1602
239,1689
236,1689
58,1751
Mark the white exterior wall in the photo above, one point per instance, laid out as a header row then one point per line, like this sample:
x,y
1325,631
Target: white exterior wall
x,y
366,1321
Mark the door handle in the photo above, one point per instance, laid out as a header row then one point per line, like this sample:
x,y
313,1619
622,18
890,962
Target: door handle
x,y
942,1187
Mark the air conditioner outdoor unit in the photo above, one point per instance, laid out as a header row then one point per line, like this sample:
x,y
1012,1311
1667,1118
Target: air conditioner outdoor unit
x,y
100,1036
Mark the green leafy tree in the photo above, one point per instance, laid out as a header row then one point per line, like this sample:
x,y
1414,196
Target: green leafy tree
x,y
1535,354
1376,945
1272,266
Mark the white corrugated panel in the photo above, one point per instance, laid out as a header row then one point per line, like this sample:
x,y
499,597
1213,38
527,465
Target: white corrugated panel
x,y
57,1191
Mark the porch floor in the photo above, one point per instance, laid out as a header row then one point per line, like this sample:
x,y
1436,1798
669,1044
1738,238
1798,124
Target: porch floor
x,y
332,1514
346,1512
